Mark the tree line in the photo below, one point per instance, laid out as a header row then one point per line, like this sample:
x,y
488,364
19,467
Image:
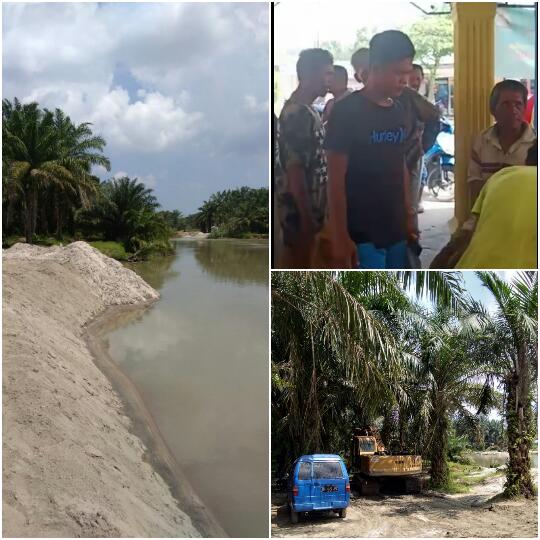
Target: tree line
x,y
49,192
359,348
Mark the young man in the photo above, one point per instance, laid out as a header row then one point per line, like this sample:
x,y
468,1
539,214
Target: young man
x,y
338,88
360,64
416,77
505,143
425,121
369,207
302,193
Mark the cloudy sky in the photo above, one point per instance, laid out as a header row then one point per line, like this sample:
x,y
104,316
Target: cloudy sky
x,y
179,91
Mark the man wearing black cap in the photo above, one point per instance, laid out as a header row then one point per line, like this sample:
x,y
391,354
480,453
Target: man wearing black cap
x,y
370,212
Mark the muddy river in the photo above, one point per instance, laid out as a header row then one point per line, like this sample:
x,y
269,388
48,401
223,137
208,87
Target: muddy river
x,y
199,357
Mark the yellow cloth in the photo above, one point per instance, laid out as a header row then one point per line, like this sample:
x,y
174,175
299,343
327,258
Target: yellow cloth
x,y
506,230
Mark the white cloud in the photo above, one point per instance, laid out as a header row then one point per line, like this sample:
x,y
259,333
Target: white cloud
x,y
149,180
180,87
152,124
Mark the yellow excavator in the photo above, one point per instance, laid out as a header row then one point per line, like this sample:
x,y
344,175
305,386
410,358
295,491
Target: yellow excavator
x,y
374,469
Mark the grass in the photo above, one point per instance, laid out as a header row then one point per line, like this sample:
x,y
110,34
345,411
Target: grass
x,y
111,249
464,477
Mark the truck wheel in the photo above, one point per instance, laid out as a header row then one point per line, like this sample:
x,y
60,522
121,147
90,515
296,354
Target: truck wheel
x,y
294,516
343,513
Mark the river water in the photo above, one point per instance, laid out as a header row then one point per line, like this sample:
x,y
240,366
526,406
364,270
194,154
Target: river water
x,y
487,459
199,357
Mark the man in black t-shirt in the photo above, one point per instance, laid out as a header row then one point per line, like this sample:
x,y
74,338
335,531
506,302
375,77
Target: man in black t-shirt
x,y
370,215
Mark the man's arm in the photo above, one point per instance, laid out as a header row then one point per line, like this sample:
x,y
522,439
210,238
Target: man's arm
x,y
296,182
327,110
474,175
428,114
450,254
412,217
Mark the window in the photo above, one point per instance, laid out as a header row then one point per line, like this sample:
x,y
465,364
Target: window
x,y
366,445
327,469
304,472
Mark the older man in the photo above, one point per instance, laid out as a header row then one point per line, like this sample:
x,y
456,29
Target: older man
x,y
506,142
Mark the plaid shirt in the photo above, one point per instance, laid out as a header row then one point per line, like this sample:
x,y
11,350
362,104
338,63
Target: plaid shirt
x,y
488,157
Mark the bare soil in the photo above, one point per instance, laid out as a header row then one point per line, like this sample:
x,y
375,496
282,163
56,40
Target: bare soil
x,y
480,513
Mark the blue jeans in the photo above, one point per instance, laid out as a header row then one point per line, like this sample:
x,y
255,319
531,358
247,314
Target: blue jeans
x,y
371,257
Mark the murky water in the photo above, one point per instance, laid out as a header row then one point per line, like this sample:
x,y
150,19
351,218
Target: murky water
x,y
487,459
200,359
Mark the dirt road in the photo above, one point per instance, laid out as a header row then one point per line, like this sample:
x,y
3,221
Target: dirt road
x,y
473,514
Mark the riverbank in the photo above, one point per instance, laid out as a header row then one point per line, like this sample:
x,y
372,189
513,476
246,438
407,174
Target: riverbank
x,y
74,463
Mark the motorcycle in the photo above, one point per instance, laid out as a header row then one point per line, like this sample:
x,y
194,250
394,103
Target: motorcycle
x,y
439,163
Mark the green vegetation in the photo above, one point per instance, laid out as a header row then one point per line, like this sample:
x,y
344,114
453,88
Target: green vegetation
x,y
235,213
50,196
49,190
464,477
112,249
352,349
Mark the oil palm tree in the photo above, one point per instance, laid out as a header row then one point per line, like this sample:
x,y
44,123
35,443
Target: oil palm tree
x,y
513,332
337,353
44,151
126,211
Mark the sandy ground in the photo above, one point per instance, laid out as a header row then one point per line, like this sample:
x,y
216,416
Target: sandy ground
x,y
197,235
73,462
426,515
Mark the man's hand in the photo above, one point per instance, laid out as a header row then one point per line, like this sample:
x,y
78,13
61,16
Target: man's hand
x,y
413,234
343,252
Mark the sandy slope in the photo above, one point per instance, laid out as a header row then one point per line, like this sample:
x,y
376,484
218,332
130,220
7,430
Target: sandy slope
x,y
72,465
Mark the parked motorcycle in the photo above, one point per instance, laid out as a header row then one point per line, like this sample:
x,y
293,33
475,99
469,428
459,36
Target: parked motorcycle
x,y
439,162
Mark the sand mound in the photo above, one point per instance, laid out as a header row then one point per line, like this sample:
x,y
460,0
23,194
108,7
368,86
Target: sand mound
x,y
71,466
113,282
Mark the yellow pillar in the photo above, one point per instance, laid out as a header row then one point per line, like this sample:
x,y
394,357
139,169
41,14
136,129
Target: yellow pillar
x,y
474,74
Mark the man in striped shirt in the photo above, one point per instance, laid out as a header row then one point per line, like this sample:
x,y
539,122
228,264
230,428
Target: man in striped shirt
x,y
505,143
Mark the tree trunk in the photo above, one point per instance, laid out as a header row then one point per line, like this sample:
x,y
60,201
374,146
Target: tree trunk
x,y
44,221
58,216
518,419
28,212
34,211
439,447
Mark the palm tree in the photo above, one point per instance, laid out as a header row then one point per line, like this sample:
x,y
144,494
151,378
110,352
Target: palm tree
x,y
454,377
338,357
79,150
126,211
513,333
45,151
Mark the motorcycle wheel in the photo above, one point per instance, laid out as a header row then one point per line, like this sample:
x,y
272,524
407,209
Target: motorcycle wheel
x,y
440,182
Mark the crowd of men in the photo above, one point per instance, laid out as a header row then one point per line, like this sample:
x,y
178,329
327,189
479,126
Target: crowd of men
x,y
348,183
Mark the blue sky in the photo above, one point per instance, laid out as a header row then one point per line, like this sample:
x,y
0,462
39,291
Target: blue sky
x,y
179,91
475,288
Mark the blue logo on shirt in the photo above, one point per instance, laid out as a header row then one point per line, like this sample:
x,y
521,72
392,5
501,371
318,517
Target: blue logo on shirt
x,y
386,136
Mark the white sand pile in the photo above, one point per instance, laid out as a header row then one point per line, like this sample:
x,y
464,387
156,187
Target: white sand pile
x,y
71,466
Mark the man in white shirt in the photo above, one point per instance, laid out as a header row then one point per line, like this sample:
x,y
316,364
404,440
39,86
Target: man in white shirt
x,y
506,142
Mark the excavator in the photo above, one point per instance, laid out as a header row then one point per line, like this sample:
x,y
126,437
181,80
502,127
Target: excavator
x,y
374,469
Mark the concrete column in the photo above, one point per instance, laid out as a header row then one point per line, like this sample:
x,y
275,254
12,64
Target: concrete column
x,y
474,74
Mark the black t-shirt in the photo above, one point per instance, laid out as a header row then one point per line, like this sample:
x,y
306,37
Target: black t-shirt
x,y
373,138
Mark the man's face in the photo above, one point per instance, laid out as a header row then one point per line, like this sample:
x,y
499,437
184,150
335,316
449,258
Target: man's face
x,y
338,84
415,79
361,73
392,78
509,109
322,80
